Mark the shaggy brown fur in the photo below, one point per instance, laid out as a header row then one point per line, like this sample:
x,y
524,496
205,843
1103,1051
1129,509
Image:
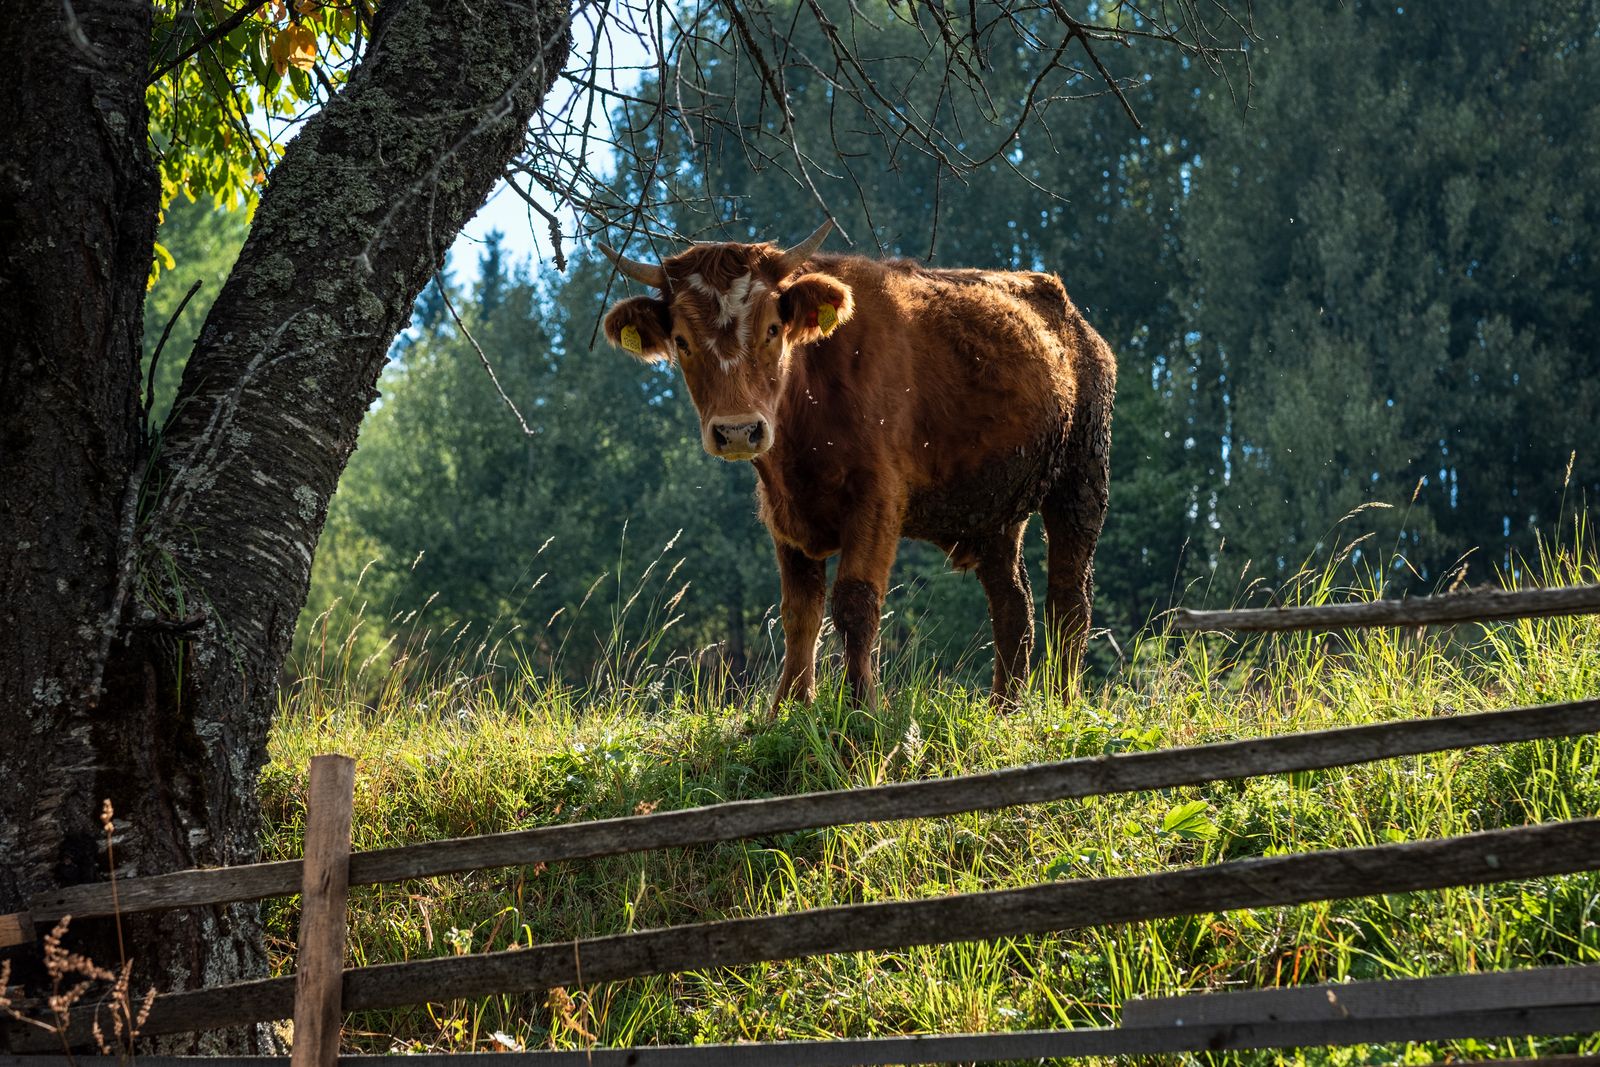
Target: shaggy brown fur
x,y
944,405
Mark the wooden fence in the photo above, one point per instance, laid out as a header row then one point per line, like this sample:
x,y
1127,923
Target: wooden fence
x,y
1478,605
1538,1001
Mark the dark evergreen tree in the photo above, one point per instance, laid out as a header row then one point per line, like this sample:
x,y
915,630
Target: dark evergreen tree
x,y
1392,271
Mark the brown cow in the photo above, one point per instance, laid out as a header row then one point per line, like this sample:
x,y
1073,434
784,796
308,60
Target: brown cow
x,y
881,400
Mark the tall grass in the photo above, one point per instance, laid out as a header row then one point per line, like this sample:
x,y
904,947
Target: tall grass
x,y
473,749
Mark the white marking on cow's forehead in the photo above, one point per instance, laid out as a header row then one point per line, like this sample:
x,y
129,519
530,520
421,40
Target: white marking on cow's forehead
x,y
733,304
737,301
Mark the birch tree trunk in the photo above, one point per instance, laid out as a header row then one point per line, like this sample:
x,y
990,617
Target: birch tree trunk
x,y
148,591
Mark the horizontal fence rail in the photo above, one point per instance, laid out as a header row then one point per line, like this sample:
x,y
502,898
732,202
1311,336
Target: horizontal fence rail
x,y
1474,859
1390,998
959,1048
734,820
1488,605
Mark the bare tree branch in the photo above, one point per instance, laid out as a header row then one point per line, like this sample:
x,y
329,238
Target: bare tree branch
x,y
712,68
444,294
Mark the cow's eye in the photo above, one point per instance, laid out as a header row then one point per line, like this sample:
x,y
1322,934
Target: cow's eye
x,y
772,331
683,346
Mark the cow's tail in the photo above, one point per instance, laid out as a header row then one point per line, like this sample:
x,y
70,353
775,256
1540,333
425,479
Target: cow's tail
x,y
1075,509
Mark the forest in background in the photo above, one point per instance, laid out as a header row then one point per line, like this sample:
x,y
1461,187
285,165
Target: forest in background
x,y
1373,285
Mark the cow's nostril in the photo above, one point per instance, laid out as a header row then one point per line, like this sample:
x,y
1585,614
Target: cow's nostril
x,y
740,438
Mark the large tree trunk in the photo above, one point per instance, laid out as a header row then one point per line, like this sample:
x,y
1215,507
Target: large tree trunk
x,y
78,199
139,661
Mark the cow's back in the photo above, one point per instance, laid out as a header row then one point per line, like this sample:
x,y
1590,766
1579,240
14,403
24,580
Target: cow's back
x,y
996,362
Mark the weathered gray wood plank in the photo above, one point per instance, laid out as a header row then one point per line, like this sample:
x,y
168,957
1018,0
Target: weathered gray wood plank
x,y
1474,859
1374,1000
1128,772
957,1048
1488,605
319,953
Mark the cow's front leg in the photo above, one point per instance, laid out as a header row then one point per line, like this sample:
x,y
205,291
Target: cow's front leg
x,y
864,562
805,584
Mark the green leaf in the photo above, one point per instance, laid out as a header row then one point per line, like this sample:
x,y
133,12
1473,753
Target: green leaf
x,y
1190,821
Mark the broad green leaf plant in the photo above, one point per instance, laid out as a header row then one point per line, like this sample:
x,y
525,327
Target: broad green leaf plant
x,y
227,82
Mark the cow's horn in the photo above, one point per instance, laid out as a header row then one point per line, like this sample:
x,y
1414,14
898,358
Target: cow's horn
x,y
648,273
795,257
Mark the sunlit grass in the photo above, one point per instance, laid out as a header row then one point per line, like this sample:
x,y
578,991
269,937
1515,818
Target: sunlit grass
x,y
454,752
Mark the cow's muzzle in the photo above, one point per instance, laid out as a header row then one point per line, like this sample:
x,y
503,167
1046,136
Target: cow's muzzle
x,y
738,437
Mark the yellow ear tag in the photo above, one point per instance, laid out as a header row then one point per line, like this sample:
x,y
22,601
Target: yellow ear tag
x,y
827,318
631,341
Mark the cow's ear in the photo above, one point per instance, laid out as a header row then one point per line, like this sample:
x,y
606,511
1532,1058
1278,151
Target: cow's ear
x,y
642,326
814,305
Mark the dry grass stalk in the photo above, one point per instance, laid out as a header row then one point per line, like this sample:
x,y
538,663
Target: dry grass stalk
x,y
565,1012
74,975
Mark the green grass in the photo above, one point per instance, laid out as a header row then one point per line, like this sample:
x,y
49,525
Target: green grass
x,y
452,754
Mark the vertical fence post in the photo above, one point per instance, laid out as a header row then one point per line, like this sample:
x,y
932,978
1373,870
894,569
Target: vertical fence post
x,y
325,885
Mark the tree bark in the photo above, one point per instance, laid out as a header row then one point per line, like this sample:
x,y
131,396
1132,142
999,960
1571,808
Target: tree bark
x,y
162,702
78,199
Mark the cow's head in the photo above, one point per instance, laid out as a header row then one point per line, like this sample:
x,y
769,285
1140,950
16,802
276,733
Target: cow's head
x,y
731,315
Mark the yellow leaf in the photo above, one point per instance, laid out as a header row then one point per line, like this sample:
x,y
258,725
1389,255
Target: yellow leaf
x,y
304,53
162,258
294,46
282,41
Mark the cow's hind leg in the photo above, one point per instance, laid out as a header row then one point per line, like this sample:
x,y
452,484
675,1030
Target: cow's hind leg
x,y
1074,510
1004,574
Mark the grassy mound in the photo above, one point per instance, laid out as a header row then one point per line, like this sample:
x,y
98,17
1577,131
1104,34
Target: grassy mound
x,y
456,755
